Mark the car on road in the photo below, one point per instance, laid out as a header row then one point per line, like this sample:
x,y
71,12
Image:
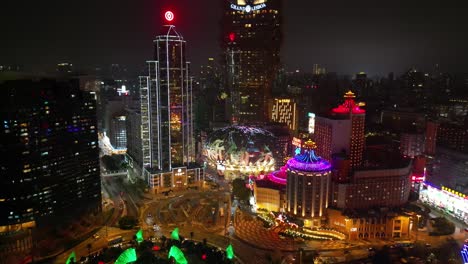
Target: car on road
x,y
96,236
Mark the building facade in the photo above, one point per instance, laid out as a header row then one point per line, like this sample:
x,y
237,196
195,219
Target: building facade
x,y
342,131
384,187
50,169
372,225
284,110
412,144
251,42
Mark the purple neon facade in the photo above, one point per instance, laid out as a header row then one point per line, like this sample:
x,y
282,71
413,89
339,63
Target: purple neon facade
x,y
309,162
279,177
306,162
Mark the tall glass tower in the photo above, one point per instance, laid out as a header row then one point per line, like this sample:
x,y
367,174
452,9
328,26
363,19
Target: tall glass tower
x,y
166,105
251,41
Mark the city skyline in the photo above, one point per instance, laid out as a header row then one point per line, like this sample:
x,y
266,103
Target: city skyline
x,y
344,38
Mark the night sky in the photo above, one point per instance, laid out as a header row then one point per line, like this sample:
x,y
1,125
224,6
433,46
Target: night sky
x,y
344,36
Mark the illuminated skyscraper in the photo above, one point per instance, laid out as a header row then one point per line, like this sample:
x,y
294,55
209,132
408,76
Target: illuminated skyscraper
x,y
342,131
166,110
251,41
50,165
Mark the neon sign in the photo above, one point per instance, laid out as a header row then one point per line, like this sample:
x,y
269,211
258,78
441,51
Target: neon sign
x,y
248,8
453,192
297,142
169,16
311,123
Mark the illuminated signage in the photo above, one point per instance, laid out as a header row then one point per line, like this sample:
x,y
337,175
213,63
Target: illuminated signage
x,y
297,142
248,8
453,192
339,224
169,16
311,123
284,100
179,172
464,254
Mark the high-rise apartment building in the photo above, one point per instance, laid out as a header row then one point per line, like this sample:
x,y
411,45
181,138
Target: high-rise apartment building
x,y
117,132
342,131
251,41
431,137
50,166
166,113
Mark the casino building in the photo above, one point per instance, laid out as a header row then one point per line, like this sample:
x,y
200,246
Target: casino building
x,y
251,42
308,184
342,131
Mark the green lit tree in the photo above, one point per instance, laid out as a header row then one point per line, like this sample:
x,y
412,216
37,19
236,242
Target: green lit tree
x,y
127,256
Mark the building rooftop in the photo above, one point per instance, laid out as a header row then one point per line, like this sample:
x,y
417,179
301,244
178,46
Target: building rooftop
x,y
308,161
349,105
266,183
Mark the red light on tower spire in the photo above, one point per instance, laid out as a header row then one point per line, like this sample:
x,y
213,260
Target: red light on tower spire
x,y
169,16
232,36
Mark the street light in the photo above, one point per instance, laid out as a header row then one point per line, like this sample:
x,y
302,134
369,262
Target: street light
x,y
417,227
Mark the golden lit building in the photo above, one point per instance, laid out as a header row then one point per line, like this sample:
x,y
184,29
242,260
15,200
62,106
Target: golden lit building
x,y
270,195
373,225
284,110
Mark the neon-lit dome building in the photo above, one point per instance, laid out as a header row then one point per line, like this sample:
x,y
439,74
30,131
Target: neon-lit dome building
x,y
308,184
237,150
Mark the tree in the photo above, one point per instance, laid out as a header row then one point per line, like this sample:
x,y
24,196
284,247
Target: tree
x,y
442,227
382,256
127,222
240,190
89,246
163,240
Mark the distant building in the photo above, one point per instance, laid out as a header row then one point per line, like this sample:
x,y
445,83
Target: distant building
x,y
134,154
454,136
117,132
431,138
412,144
251,42
317,70
50,165
403,120
65,68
